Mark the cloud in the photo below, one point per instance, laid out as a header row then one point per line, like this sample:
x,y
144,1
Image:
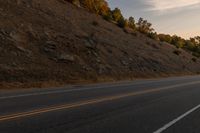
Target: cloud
x,y
163,5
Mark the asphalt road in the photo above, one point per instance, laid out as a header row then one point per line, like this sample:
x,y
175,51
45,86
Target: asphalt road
x,y
170,105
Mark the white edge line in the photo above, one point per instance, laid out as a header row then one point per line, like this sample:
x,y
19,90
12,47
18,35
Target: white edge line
x,y
176,120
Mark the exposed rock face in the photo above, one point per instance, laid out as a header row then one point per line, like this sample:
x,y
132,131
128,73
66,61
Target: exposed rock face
x,y
54,41
66,58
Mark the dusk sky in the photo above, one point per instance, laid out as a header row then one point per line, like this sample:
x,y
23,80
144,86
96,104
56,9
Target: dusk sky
x,y
181,17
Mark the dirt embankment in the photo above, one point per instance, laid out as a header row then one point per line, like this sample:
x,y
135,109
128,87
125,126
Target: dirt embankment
x,y
51,42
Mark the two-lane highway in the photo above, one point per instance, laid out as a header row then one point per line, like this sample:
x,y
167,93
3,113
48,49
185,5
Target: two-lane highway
x,y
170,105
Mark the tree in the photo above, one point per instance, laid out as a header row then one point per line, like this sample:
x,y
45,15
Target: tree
x,y
101,7
178,41
197,39
144,26
131,23
190,45
88,4
117,15
153,35
122,22
165,38
108,16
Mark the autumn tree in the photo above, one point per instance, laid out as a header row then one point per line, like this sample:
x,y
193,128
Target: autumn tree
x,y
189,45
153,35
178,41
131,23
108,16
144,26
197,40
165,38
117,15
101,7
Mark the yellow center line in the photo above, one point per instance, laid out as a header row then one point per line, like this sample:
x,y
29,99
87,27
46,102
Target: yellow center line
x,y
87,102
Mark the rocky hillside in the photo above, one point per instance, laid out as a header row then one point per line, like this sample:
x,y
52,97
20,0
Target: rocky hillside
x,y
51,42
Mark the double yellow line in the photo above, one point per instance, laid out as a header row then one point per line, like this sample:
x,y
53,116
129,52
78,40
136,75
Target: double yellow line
x,y
87,102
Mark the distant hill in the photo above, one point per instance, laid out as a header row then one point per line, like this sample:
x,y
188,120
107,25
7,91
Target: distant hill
x,y
52,42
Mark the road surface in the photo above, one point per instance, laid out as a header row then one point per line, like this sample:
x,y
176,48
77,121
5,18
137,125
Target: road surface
x,y
169,105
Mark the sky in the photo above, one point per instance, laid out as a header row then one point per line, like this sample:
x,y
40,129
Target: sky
x,y
180,17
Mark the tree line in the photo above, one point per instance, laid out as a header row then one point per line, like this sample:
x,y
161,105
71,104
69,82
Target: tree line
x,y
102,8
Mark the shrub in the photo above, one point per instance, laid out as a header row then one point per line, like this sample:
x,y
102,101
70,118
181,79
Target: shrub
x,y
95,23
165,38
177,52
194,59
76,2
196,54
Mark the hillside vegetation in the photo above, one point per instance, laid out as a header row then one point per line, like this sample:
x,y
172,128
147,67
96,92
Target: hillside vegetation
x,y
53,42
101,7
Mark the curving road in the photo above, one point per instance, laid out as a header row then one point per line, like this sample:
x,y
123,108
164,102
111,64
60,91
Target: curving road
x,y
168,105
